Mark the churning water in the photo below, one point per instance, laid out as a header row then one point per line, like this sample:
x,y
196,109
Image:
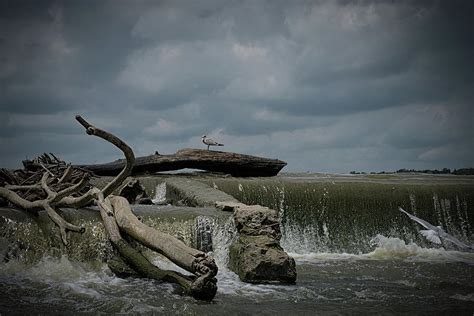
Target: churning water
x,y
355,253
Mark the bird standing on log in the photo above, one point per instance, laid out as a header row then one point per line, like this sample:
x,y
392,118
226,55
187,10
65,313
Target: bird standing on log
x,y
209,142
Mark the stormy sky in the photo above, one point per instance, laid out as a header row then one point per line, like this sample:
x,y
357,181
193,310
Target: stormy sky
x,y
329,86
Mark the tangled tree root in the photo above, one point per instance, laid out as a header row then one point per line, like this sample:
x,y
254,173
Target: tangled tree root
x,y
49,184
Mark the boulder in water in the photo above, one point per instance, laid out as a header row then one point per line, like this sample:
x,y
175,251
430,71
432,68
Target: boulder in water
x,y
257,256
260,259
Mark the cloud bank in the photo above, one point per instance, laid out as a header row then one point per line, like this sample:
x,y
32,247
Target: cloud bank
x,y
327,86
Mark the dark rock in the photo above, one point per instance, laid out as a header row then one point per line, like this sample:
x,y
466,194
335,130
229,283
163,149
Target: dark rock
x,y
135,193
256,220
257,256
145,201
260,259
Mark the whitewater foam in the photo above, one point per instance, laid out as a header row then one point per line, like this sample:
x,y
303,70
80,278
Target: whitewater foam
x,y
160,193
387,248
468,297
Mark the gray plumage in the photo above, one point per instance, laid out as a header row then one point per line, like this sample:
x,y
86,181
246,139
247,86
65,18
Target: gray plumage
x,y
210,142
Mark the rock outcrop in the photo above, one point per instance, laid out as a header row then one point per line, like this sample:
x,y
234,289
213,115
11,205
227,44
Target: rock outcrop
x,y
257,256
260,259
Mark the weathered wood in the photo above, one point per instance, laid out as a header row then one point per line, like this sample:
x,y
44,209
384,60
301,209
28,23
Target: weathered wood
x,y
115,213
186,257
256,256
237,165
202,287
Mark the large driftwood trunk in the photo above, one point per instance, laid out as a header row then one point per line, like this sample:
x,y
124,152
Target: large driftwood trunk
x,y
57,185
237,165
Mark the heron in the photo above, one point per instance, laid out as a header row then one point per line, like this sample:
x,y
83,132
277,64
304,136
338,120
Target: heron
x,y
435,233
209,142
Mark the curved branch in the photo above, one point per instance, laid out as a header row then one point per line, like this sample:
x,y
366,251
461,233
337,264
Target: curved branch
x,y
80,201
63,225
72,189
46,204
86,198
53,196
44,184
128,152
202,287
23,187
63,197
19,201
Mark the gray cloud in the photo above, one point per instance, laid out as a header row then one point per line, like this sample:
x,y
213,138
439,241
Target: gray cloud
x,y
325,85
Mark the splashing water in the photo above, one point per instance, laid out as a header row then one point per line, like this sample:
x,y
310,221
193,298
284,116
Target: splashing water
x,y
354,252
160,193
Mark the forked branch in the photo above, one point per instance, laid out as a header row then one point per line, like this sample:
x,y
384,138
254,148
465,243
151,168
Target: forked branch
x,y
60,185
64,197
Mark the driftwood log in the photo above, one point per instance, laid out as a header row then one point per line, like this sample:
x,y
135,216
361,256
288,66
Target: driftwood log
x,y
237,165
56,185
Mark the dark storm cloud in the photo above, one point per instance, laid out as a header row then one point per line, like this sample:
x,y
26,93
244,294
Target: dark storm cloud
x,y
326,85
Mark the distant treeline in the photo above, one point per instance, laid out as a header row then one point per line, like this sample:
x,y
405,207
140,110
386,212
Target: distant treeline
x,y
462,171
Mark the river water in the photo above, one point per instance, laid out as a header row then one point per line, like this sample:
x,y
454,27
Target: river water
x,y
394,278
392,271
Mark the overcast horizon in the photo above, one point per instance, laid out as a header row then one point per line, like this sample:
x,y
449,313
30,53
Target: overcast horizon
x,y
327,86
